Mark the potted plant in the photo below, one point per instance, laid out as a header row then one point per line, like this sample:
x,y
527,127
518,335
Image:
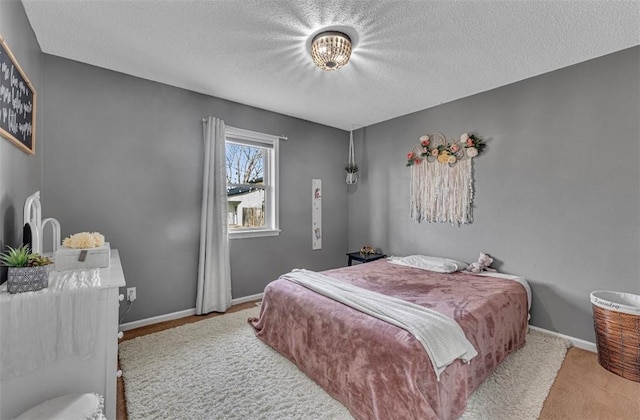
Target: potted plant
x,y
27,272
352,173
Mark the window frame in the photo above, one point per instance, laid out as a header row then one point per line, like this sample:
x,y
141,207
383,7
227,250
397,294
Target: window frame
x,y
271,181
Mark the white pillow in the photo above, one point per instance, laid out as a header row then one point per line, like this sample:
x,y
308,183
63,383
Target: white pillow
x,y
424,262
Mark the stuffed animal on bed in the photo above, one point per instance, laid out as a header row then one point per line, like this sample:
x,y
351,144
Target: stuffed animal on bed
x,y
484,261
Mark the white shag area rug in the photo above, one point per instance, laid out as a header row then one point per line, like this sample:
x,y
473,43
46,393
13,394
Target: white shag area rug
x,y
218,369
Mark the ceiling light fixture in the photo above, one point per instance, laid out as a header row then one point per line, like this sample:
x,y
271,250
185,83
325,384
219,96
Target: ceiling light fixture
x,y
331,50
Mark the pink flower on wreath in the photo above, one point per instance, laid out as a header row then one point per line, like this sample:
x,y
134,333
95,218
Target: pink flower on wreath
x,y
434,152
410,155
454,148
469,142
417,161
425,143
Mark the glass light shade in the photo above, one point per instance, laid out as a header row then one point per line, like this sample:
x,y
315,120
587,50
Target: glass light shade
x,y
331,50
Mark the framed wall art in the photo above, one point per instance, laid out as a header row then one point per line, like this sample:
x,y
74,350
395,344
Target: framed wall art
x,y
17,102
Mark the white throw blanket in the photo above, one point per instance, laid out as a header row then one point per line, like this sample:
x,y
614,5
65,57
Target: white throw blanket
x,y
49,324
442,337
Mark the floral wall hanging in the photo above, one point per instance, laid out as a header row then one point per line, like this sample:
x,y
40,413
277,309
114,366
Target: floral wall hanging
x,y
442,179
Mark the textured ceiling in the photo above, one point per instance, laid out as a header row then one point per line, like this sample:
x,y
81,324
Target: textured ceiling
x,y
408,55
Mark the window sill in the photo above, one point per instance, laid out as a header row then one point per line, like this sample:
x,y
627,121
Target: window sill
x,y
258,233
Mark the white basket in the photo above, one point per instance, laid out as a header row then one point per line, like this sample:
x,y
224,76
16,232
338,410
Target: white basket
x,y
73,259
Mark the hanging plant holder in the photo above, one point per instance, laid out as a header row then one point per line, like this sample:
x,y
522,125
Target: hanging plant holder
x,y
351,168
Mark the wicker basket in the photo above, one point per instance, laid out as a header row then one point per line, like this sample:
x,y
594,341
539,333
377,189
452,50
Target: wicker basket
x,y
616,319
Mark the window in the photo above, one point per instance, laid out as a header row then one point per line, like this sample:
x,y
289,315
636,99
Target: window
x,y
252,183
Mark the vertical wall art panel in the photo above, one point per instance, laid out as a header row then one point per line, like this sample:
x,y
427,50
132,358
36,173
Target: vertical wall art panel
x,y
316,214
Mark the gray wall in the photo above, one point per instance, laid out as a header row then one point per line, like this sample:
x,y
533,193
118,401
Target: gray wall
x,y
557,189
20,173
125,158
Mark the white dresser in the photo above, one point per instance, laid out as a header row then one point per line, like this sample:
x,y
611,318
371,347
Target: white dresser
x,y
72,375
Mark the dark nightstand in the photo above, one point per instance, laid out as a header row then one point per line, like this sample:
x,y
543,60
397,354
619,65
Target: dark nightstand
x,y
363,258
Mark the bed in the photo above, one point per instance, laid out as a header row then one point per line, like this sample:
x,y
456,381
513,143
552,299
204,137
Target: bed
x,y
378,370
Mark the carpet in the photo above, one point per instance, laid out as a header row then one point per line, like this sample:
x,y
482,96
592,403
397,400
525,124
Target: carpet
x,y
217,368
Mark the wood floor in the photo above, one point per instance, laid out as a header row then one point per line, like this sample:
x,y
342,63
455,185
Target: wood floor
x,y
583,390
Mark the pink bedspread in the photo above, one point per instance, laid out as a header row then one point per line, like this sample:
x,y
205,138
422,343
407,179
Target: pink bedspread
x,y
377,370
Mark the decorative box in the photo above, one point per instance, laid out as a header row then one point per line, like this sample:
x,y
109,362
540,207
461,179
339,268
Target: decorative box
x,y
28,279
82,259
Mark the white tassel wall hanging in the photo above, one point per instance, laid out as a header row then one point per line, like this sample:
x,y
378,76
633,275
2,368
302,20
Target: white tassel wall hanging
x,y
441,189
351,168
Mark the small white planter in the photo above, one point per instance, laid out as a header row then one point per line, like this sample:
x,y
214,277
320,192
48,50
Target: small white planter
x,y
352,178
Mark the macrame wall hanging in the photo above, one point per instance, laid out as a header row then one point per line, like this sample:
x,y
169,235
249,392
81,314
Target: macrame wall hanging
x,y
352,167
442,179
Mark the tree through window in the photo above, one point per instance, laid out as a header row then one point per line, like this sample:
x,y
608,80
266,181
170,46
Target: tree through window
x,y
251,168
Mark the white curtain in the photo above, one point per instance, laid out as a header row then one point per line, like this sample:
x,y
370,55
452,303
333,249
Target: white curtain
x,y
214,273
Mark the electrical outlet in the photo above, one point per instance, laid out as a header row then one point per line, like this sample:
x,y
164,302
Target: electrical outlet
x,y
131,294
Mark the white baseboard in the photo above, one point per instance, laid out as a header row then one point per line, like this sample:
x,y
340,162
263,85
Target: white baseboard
x,y
577,342
246,299
180,314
